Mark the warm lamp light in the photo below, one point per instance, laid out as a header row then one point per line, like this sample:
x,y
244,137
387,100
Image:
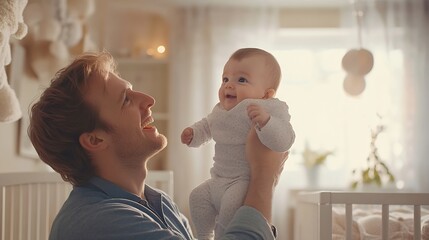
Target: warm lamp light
x,y
161,49
150,52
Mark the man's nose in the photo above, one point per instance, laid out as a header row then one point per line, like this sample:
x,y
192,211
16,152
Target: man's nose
x,y
147,101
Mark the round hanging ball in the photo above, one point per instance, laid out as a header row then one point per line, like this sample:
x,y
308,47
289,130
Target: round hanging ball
x,y
358,61
354,85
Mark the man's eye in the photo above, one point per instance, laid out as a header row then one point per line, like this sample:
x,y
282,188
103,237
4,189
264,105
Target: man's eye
x,y
225,80
242,80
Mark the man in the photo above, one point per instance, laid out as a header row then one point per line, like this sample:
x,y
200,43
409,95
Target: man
x,y
93,129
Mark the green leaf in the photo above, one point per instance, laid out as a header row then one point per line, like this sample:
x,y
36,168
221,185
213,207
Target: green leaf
x,y
377,178
365,176
391,178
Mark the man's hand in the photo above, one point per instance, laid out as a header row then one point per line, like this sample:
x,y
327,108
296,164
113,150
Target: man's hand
x,y
266,167
263,161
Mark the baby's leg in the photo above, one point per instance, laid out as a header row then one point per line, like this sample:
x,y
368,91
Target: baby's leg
x,y
232,200
202,210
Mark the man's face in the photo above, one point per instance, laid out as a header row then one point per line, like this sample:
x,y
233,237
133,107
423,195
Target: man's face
x,y
243,79
128,113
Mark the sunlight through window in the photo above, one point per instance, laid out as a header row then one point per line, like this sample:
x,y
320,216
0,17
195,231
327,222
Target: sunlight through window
x,y
324,116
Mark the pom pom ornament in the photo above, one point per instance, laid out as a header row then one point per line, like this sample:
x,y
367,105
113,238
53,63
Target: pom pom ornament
x,y
354,84
357,63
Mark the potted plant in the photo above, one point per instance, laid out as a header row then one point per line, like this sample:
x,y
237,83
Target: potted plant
x,y
312,161
376,172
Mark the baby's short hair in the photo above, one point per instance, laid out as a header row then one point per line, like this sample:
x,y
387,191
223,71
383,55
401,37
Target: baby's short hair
x,y
270,62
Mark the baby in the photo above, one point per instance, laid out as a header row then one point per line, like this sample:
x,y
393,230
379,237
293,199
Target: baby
x,y
250,79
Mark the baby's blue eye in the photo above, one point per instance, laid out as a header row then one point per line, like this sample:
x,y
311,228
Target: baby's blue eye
x,y
242,80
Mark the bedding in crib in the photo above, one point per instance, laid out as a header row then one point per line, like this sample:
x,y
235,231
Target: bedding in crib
x,y
367,223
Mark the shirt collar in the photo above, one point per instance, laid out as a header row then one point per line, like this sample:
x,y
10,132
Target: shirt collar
x,y
114,191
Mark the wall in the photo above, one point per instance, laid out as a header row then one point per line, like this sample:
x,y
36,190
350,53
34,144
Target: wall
x,y
310,18
27,90
10,160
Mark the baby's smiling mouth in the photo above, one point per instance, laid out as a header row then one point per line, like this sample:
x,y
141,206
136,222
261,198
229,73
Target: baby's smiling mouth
x,y
229,96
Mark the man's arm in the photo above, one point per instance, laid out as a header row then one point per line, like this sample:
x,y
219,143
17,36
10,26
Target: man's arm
x,y
266,167
253,220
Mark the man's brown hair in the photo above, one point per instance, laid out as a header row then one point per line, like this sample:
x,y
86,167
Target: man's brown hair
x,y
270,62
62,115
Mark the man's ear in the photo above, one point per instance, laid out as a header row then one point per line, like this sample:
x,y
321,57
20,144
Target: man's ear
x,y
92,141
269,93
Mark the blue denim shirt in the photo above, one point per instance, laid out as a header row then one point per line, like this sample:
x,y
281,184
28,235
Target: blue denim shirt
x,y
103,210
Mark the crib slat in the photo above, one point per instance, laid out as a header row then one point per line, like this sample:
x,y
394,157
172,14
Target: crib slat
x,y
325,230
349,220
2,213
12,204
385,221
38,213
20,212
46,203
13,208
29,209
417,215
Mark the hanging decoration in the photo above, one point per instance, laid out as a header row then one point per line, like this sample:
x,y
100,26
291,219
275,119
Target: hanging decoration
x,y
357,62
57,31
11,26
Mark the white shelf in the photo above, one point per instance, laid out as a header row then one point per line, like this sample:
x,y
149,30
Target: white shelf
x,y
140,61
146,28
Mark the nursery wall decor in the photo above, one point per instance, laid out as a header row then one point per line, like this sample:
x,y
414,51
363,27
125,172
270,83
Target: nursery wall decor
x,y
11,25
357,62
57,30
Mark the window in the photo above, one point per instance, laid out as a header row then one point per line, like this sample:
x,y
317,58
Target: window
x,y
323,115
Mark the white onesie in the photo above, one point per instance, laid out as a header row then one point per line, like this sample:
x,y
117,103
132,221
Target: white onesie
x,y
214,202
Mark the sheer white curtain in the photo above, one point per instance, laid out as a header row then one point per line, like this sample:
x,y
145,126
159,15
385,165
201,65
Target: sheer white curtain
x,y
401,27
202,40
414,16
397,34
405,27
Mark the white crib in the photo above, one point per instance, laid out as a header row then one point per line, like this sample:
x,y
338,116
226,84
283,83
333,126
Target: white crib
x,y
313,219
29,201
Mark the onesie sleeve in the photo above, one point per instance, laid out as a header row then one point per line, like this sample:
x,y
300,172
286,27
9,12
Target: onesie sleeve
x,y
202,133
277,134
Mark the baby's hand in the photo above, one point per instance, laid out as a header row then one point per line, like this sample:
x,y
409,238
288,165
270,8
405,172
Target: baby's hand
x,y
258,115
187,135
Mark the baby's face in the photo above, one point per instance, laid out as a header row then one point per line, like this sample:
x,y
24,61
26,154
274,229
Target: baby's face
x,y
243,79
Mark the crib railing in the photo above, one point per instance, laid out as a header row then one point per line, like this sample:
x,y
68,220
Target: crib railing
x,y
29,202
324,202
